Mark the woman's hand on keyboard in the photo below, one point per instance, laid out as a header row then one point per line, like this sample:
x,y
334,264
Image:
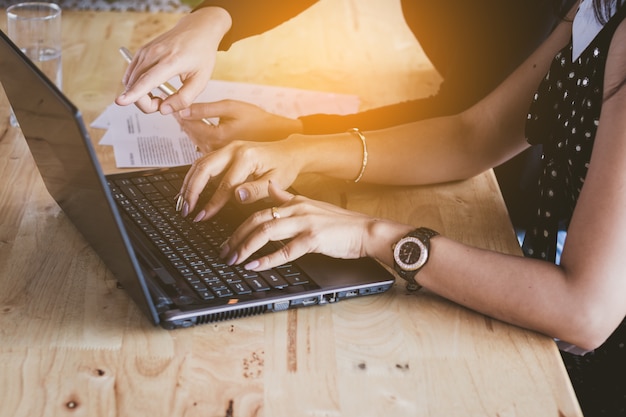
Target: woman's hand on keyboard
x,y
309,226
245,169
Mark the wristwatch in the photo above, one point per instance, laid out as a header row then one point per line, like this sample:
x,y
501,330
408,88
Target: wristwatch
x,y
410,254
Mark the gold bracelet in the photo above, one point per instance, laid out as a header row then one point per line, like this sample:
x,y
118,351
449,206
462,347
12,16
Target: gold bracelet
x,y
364,143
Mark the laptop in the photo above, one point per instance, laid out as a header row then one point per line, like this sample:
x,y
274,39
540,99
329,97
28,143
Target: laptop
x,y
168,265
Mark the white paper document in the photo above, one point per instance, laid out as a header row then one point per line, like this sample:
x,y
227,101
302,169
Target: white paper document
x,y
153,140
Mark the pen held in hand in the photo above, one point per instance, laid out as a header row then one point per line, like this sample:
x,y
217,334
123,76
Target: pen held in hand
x,y
166,88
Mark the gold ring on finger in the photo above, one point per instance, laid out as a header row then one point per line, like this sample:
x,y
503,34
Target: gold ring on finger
x,y
275,213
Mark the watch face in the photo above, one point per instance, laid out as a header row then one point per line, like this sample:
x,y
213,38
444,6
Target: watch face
x,y
410,253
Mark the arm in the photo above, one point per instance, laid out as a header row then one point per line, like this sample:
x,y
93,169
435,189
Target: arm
x,y
514,29
580,301
255,17
430,151
469,66
452,147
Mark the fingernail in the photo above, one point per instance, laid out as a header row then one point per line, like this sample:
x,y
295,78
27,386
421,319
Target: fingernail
x,y
199,217
166,109
243,194
252,265
185,212
185,112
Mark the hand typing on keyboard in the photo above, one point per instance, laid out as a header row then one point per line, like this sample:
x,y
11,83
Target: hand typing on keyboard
x,y
308,226
246,168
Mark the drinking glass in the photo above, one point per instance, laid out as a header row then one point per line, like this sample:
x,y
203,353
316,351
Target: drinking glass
x,y
35,27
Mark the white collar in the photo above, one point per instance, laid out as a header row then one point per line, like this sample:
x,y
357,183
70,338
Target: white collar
x,y
584,29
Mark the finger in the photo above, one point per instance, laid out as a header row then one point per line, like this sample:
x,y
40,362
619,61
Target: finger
x,y
142,64
201,172
230,185
139,85
253,223
190,89
199,111
148,104
218,200
195,181
277,194
241,177
253,191
248,239
135,68
129,71
289,252
204,136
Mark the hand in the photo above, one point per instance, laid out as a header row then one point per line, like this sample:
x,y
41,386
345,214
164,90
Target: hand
x,y
188,50
246,168
238,121
309,226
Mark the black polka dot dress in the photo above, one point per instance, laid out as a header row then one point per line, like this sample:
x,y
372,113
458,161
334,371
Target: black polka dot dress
x,y
563,119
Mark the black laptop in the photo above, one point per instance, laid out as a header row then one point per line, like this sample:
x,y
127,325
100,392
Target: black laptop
x,y
169,265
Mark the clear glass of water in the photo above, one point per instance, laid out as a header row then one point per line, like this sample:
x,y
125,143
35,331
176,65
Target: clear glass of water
x,y
35,27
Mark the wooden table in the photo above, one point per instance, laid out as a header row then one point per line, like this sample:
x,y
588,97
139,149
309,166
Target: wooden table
x,y
71,343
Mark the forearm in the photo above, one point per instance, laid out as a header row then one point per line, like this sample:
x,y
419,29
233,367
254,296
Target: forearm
x,y
210,24
255,17
532,294
382,117
526,292
426,152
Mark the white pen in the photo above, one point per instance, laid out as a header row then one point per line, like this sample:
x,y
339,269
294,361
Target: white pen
x,y
167,88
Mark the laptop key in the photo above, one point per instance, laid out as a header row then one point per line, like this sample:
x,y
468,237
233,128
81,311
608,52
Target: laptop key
x,y
206,295
131,192
288,269
198,286
274,279
244,273
293,275
156,178
257,284
296,279
166,188
192,279
240,288
139,180
147,188
222,292
171,175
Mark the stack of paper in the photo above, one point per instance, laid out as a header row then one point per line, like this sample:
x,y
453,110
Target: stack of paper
x,y
153,140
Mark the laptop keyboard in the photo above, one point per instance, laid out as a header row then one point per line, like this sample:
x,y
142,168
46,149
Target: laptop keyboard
x,y
191,248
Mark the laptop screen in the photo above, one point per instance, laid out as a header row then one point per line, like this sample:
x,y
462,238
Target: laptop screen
x,y
63,152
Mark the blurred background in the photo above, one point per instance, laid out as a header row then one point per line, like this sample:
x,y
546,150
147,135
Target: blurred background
x,y
121,5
